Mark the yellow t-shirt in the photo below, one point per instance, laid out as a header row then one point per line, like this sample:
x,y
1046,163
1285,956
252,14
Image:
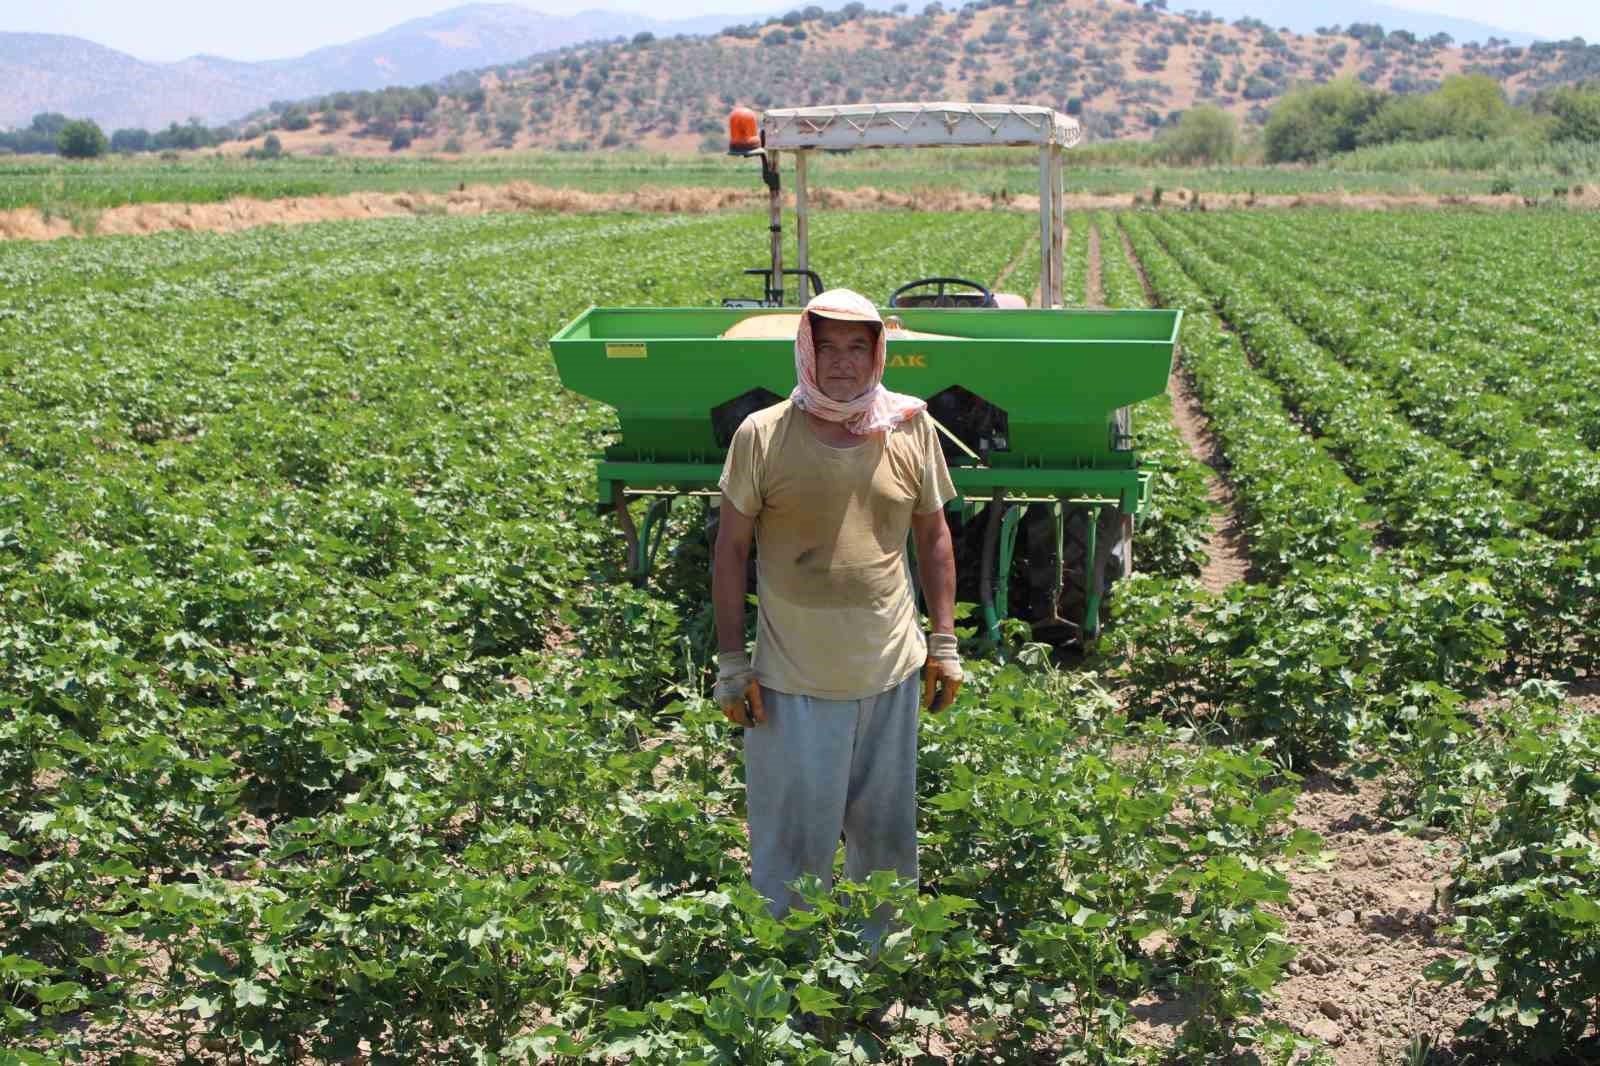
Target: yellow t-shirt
x,y
837,618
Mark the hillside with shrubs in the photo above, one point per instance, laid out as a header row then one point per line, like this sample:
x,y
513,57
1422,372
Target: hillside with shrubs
x,y
1127,71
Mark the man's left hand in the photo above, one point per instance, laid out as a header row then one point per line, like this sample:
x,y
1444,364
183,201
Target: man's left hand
x,y
941,675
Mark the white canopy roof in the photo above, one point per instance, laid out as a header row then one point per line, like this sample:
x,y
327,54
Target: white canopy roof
x,y
914,125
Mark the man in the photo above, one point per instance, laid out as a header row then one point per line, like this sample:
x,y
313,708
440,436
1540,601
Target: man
x,y
830,482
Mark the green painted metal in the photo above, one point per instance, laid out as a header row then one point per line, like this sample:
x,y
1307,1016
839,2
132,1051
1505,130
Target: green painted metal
x,y
653,533
1091,601
1059,375
1129,488
1002,575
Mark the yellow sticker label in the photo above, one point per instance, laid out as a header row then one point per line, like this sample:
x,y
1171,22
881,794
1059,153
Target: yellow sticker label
x,y
917,362
626,351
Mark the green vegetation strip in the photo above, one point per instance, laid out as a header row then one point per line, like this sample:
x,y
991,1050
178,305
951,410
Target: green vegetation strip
x,y
1438,392
1513,783
1436,503
1513,306
1298,505
1170,540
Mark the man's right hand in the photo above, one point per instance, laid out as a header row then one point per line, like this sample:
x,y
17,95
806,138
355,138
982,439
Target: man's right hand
x,y
738,693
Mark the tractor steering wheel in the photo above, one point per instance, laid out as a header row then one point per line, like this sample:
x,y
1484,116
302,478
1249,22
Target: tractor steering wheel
x,y
985,298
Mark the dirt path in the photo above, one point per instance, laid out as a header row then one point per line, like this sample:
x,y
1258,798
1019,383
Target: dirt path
x,y
1366,924
1094,294
1227,548
1365,918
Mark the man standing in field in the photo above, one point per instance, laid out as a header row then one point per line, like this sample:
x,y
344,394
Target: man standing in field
x,y
829,483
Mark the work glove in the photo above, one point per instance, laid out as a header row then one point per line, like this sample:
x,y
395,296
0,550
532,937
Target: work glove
x,y
738,693
941,674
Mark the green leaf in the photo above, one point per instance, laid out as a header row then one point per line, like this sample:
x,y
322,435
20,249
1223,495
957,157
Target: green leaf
x,y
819,1001
55,993
204,1006
1577,908
249,994
1557,794
761,995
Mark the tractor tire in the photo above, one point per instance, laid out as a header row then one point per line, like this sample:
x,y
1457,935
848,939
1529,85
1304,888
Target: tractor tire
x,y
1113,559
966,541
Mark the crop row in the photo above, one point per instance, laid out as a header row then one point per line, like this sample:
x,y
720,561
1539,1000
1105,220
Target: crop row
x,y
1171,537
1514,785
255,538
1435,503
1469,287
1530,273
1310,657
1298,506
1507,299
1440,392
1549,583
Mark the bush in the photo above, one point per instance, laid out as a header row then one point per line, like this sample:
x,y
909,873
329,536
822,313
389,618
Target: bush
x,y
1577,114
1204,134
82,139
130,140
1468,107
1316,121
271,148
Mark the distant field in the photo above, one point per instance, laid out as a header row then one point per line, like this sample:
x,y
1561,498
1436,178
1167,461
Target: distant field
x,y
55,185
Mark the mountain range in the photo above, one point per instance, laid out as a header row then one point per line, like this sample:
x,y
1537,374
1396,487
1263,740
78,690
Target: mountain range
x,y
53,72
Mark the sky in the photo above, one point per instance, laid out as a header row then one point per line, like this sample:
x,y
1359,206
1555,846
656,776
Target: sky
x,y
165,30
1556,19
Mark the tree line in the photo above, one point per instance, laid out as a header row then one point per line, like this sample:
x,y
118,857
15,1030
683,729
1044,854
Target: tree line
x,y
53,133
377,113
1316,121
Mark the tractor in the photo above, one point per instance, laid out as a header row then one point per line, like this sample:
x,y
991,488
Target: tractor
x,y
1032,403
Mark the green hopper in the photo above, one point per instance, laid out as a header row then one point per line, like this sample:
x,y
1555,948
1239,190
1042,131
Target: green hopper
x,y
1033,404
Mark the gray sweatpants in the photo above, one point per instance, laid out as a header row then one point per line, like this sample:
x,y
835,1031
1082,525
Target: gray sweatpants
x,y
816,768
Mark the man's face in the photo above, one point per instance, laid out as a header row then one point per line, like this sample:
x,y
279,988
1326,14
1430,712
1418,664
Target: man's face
x,y
844,357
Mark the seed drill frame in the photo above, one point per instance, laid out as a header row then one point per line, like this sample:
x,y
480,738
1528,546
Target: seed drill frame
x,y
1032,403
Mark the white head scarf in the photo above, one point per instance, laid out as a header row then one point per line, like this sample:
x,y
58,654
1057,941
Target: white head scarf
x,y
875,410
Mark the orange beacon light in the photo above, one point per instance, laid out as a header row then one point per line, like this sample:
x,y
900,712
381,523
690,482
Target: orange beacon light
x,y
743,138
